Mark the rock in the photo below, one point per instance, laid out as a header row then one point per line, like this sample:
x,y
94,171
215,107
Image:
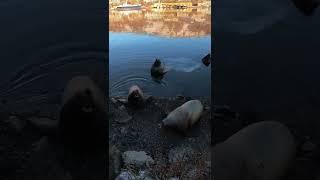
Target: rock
x,y
16,123
122,116
180,97
122,108
123,101
181,153
126,175
114,161
137,158
113,100
308,146
144,175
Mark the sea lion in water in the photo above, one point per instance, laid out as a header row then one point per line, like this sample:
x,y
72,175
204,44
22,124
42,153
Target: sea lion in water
x,y
158,70
184,116
135,96
260,151
307,7
206,60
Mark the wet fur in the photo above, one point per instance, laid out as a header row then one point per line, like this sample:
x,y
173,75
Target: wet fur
x,y
158,70
135,96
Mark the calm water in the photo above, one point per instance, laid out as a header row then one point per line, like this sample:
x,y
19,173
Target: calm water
x,y
179,38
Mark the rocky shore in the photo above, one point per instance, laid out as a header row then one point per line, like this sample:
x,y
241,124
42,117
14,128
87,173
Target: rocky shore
x,y
137,144
141,149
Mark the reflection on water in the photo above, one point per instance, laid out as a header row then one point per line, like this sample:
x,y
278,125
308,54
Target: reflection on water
x,y
165,22
180,38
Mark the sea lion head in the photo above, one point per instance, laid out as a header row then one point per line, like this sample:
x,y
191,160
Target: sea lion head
x,y
157,63
135,97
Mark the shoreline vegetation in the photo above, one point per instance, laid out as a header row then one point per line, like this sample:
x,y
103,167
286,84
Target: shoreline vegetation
x,y
167,5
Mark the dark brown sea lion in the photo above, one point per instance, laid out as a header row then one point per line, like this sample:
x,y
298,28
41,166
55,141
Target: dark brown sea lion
x,y
206,60
158,70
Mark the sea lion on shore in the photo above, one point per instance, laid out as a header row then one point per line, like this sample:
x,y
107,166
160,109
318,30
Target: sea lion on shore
x,y
184,116
83,114
260,151
135,96
158,70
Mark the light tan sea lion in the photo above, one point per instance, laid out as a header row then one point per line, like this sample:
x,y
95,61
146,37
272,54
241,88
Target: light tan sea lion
x,y
135,96
184,116
260,151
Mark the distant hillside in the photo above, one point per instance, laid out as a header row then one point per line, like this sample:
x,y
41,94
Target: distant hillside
x,y
153,1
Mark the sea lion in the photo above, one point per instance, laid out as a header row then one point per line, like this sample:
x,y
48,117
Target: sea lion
x,y
158,70
184,116
83,114
206,60
307,7
135,96
260,151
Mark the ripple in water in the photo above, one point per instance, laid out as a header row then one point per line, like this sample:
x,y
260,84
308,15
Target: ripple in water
x,y
25,83
182,64
121,87
139,74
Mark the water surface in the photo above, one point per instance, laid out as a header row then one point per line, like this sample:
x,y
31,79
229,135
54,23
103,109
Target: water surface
x,y
179,38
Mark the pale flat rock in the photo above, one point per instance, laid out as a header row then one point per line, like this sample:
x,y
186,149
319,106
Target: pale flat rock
x,y
137,158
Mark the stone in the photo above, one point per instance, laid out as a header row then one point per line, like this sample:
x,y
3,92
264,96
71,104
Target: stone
x,y
122,116
180,97
144,175
126,175
137,158
113,100
180,153
123,101
122,108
